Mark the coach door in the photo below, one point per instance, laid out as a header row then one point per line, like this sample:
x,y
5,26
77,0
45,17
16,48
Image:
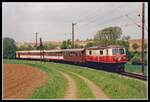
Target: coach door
x,y
101,57
106,55
18,55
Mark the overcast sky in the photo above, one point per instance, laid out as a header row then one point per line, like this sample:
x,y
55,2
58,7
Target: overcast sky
x,y
53,20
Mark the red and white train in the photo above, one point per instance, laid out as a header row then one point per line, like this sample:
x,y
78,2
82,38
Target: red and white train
x,y
111,58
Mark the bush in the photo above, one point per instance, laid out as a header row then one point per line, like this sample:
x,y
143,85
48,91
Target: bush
x,y
145,59
9,48
129,55
136,59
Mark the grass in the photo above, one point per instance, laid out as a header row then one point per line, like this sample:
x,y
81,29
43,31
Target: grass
x,y
114,85
56,83
83,90
135,68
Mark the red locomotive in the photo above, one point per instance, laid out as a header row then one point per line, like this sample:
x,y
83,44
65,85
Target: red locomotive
x,y
111,58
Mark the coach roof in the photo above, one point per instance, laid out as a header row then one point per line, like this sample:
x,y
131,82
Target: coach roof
x,y
73,50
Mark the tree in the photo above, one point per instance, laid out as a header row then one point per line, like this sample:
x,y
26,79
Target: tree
x,y
123,43
90,44
135,46
66,44
78,46
40,47
108,35
49,46
26,47
136,59
130,55
29,47
22,47
126,38
9,48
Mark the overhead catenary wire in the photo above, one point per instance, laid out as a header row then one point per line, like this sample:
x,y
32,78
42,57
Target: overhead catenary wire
x,y
112,19
93,20
88,16
84,18
115,18
132,20
106,21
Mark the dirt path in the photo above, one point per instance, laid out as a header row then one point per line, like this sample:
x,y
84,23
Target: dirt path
x,y
71,92
97,92
20,81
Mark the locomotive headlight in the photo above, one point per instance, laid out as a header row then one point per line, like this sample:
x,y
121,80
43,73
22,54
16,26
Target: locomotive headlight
x,y
119,58
115,58
124,57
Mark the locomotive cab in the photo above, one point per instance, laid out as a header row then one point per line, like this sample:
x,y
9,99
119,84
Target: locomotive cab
x,y
119,54
111,58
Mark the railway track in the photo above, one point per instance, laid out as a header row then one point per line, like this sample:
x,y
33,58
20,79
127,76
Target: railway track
x,y
134,75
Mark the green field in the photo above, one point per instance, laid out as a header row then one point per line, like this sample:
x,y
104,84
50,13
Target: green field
x,y
135,68
114,85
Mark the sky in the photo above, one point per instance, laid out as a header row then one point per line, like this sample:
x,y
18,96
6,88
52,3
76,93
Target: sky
x,y
53,20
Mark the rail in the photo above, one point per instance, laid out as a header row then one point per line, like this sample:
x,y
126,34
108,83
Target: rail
x,y
133,75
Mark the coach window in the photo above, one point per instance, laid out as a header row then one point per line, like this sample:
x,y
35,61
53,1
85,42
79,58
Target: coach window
x,y
90,52
101,52
79,54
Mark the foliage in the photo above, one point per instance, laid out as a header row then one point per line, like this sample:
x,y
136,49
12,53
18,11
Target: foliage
x,y
135,46
40,47
126,38
9,48
145,46
129,55
29,47
78,46
49,46
107,36
145,59
26,47
110,33
66,44
136,59
90,44
123,43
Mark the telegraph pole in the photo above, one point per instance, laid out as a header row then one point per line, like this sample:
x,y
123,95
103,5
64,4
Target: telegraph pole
x,y
41,49
73,34
142,48
36,39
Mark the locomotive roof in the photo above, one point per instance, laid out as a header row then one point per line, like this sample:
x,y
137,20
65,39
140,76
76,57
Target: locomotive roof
x,y
64,50
105,47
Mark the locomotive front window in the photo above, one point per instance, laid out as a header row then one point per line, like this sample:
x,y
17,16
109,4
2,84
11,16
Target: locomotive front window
x,y
118,51
121,51
115,51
